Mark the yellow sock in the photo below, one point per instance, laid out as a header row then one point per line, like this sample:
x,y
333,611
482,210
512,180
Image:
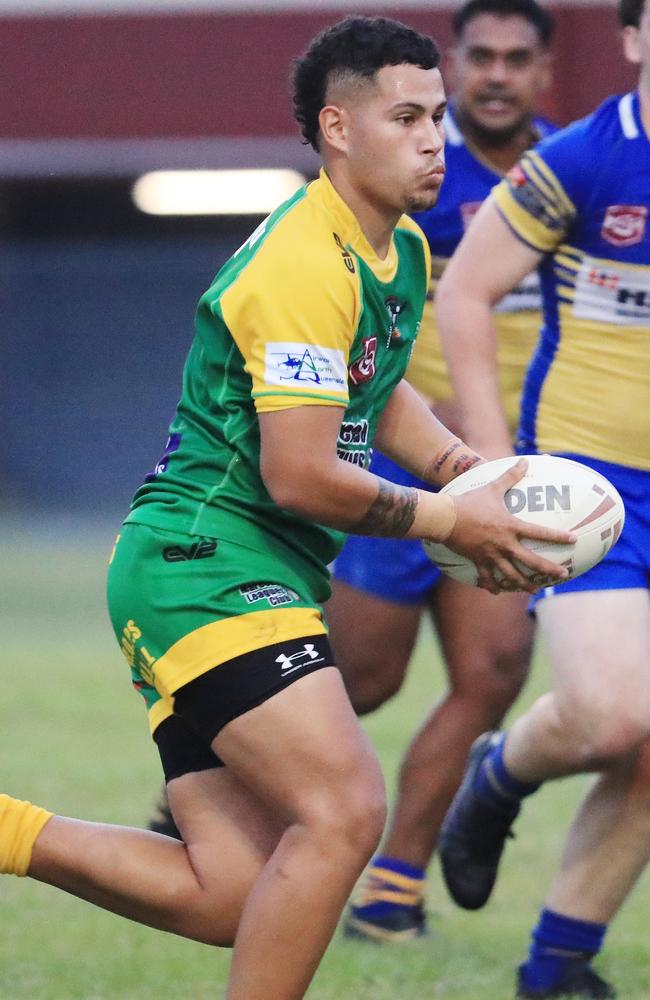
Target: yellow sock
x,y
20,825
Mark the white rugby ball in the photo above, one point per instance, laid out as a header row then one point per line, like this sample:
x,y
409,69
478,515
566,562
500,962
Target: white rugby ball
x,y
555,492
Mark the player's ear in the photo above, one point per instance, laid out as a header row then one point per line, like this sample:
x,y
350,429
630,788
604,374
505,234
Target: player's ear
x,y
631,43
334,126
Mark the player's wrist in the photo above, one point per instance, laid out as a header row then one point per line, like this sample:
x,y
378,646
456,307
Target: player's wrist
x,y
454,458
435,517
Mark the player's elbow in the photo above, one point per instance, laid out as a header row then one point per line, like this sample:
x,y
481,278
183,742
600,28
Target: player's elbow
x,y
291,485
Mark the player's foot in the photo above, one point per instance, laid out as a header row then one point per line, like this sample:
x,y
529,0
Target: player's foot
x,y
397,926
578,980
162,820
473,835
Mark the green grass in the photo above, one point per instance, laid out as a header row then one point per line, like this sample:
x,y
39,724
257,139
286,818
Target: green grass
x,y
74,739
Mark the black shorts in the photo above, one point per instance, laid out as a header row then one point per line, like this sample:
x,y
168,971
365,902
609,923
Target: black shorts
x,y
205,705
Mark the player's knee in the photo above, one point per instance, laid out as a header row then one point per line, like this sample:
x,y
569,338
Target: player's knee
x,y
604,729
372,680
349,819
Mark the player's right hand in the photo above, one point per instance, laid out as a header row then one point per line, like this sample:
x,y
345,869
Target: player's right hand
x,y
487,534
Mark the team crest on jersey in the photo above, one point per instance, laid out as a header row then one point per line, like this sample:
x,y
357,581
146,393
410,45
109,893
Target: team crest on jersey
x,y
624,225
395,308
467,212
364,367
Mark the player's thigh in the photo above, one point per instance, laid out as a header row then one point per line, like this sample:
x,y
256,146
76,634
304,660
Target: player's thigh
x,y
598,643
486,639
220,817
304,753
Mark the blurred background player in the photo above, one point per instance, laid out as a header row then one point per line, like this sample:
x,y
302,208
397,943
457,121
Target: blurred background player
x,y
499,68
580,204
274,786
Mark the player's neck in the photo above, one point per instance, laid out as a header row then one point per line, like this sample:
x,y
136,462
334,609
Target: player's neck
x,y
499,155
644,102
376,222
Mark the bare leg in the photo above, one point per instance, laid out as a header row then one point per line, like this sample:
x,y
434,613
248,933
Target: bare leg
x,y
373,640
608,845
486,642
299,763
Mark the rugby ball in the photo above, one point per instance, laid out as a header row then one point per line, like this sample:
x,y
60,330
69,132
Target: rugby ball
x,y
555,492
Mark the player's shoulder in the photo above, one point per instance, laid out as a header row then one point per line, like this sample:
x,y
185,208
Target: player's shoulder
x,y
572,144
301,244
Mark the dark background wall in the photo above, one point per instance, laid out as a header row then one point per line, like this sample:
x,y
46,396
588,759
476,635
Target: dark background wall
x,y
96,304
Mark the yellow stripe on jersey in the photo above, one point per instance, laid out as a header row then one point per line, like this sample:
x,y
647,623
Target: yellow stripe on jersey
x,y
582,408
529,207
223,640
517,334
294,317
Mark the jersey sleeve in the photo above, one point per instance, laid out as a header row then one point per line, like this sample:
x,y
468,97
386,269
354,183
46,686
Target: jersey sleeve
x,y
293,313
542,195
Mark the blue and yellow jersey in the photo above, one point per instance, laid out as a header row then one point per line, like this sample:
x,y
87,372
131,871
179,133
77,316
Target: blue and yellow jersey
x,y
304,314
468,181
583,198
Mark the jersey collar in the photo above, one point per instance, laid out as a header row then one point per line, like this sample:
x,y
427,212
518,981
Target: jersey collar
x,y
349,230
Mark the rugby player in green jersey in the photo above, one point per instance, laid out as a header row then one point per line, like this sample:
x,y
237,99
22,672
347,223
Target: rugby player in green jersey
x,y
219,572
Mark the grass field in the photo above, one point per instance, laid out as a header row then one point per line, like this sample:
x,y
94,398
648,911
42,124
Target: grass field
x,y
74,739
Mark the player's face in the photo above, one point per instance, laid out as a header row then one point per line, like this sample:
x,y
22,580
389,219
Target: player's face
x,y
500,68
395,140
637,45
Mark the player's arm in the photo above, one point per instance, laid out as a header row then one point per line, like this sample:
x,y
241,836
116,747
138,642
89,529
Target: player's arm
x,y
489,261
415,438
303,473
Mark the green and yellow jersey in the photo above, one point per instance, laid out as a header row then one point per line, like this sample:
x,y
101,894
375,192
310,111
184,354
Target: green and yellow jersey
x,y
303,314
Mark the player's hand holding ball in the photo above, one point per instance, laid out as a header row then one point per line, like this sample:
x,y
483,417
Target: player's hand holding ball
x,y
501,562
569,518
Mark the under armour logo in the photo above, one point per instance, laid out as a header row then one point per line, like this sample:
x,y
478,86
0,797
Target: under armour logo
x,y
297,660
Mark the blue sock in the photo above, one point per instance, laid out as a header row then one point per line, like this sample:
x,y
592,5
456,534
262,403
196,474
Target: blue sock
x,y
555,940
390,883
494,783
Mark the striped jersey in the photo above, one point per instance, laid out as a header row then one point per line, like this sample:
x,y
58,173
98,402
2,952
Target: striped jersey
x,y
468,181
582,198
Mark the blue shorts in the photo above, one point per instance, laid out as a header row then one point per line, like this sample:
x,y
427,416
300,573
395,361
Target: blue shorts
x,y
627,564
391,568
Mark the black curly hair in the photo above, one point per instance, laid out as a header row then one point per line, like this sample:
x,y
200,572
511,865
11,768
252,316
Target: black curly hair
x,y
530,10
355,46
629,12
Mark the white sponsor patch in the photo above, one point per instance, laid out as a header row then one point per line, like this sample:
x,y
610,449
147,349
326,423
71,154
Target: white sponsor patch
x,y
610,293
306,365
526,296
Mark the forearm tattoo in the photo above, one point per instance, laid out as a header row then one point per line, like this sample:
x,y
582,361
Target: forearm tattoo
x,y
391,513
454,459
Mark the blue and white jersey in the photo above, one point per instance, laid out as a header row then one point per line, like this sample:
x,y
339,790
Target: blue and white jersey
x,y
583,198
468,182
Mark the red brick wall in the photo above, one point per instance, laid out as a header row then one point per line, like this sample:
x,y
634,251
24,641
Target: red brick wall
x,y
222,74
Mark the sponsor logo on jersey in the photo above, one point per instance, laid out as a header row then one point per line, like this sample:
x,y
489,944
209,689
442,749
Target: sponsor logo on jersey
x,y
535,201
354,432
363,369
611,293
305,364
273,593
624,225
468,210
348,259
394,307
171,445
182,553
306,656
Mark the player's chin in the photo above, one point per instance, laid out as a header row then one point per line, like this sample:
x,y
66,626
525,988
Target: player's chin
x,y
420,201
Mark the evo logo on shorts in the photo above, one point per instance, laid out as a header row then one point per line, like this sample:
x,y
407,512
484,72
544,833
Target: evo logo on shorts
x,y
182,553
305,657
